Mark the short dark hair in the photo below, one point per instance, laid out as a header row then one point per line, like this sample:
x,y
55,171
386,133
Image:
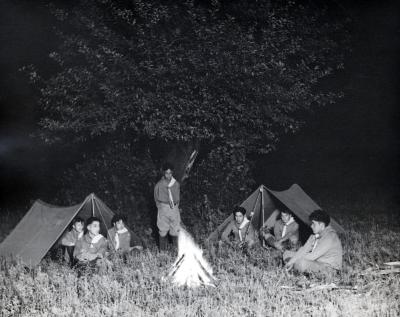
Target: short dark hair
x,y
239,209
320,216
91,220
286,211
77,219
167,166
117,218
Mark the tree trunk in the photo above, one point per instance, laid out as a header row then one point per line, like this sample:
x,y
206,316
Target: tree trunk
x,y
180,155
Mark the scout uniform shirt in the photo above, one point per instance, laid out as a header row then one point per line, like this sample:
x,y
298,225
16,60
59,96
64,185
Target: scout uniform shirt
x,y
239,231
69,240
89,249
119,240
290,231
325,248
167,192
71,237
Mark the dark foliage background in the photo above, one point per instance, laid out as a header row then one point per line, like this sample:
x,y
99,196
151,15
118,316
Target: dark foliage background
x,y
109,77
228,79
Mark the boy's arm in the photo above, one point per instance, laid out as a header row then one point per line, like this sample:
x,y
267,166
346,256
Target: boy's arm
x,y
157,194
135,241
67,240
290,232
226,232
323,246
178,193
78,250
266,228
101,252
300,253
110,244
251,239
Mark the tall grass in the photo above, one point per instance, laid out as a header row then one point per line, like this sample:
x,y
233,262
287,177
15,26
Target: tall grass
x,y
249,285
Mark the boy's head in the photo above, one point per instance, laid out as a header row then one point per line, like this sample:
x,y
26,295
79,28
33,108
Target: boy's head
x,y
118,221
168,170
286,215
93,225
239,213
319,221
78,224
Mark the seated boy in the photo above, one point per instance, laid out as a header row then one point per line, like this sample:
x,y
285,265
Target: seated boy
x,y
285,233
120,238
68,241
322,253
242,230
92,246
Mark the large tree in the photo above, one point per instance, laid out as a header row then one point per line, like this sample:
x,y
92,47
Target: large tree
x,y
233,74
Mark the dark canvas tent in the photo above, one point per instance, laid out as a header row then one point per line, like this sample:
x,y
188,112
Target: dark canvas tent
x,y
263,203
44,224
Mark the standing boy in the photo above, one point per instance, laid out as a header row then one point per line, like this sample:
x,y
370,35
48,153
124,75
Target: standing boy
x,y
167,196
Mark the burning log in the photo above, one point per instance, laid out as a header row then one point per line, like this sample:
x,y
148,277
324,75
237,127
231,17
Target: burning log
x,y
190,268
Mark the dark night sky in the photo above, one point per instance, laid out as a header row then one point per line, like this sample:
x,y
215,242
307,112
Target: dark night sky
x,y
351,144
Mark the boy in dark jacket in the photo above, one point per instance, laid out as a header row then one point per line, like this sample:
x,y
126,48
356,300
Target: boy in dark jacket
x,y
120,239
70,238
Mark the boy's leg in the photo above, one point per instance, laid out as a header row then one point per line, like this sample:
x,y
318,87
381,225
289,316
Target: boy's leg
x,y
269,240
314,267
163,226
287,255
70,254
174,225
163,242
174,222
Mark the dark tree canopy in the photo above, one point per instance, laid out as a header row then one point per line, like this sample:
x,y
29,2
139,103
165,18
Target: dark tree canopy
x,y
228,77
188,72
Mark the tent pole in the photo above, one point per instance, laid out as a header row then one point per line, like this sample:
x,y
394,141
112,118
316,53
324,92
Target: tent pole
x,y
92,205
252,215
104,222
262,210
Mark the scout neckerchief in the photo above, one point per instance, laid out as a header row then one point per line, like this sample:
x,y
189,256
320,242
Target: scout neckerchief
x,y
242,225
80,235
285,225
95,240
118,232
317,236
171,199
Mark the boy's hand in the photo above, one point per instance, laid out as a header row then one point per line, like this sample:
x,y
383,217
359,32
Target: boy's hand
x,y
136,247
278,245
289,265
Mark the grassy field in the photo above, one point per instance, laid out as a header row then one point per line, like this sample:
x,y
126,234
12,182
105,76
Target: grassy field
x,y
248,285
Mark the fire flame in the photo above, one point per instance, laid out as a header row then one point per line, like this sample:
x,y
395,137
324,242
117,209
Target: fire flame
x,y
190,268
